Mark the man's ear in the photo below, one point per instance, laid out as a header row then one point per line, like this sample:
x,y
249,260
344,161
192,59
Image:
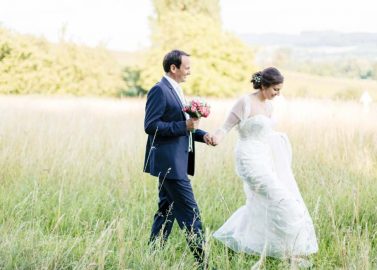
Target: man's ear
x,y
173,68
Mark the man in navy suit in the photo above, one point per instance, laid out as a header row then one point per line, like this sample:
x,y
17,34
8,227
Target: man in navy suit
x,y
170,154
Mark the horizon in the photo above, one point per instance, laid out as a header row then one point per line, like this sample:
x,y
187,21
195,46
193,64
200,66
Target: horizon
x,y
123,25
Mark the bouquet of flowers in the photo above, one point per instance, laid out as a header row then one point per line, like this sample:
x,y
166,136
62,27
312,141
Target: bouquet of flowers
x,y
197,108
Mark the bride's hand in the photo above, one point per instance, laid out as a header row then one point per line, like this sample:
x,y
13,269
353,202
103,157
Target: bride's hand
x,y
218,136
209,139
215,140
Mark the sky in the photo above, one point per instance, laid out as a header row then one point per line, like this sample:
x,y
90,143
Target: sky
x,y
123,24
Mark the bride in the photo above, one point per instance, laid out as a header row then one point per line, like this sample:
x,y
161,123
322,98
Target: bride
x,y
274,220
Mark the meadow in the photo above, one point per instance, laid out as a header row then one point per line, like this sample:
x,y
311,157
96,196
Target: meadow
x,y
74,196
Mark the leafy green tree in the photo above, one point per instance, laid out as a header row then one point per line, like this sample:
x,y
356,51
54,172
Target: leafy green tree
x,y
132,76
208,8
374,71
30,65
221,63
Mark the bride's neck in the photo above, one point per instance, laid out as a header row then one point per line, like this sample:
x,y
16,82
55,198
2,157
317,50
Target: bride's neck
x,y
260,96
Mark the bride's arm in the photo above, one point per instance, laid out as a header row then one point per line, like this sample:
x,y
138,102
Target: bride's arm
x,y
232,119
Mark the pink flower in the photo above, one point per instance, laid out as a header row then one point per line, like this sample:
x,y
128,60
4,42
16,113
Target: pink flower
x,y
197,108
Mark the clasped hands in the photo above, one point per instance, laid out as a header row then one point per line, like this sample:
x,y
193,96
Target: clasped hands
x,y
209,139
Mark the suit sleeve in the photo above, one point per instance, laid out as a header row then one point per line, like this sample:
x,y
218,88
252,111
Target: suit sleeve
x,y
154,111
198,135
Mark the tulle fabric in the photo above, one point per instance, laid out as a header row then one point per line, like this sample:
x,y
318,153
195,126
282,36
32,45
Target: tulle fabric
x,y
274,220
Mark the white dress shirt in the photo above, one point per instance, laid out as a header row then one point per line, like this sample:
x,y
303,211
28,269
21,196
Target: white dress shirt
x,y
177,88
179,92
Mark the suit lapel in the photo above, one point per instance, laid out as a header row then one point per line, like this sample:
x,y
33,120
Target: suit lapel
x,y
166,82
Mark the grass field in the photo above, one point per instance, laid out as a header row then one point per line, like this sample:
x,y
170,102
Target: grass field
x,y
73,194
307,85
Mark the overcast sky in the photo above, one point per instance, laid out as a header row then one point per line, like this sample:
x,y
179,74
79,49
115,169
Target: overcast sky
x,y
123,24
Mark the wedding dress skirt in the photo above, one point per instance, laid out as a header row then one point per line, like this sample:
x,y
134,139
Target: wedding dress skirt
x,y
274,221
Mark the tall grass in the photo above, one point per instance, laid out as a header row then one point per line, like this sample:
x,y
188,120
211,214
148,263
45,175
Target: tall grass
x,y
304,85
73,194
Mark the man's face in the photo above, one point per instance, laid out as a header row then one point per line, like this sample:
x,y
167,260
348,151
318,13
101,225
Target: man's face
x,y
183,71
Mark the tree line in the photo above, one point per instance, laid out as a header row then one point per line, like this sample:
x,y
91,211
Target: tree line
x,y
222,63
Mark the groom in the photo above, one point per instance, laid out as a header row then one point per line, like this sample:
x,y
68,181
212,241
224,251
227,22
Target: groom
x,y
169,157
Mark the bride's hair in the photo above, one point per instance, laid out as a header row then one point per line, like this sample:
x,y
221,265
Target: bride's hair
x,y
267,77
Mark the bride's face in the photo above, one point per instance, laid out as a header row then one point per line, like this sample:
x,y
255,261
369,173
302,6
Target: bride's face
x,y
272,91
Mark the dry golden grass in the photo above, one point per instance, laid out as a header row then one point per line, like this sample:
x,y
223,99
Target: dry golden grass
x,y
74,195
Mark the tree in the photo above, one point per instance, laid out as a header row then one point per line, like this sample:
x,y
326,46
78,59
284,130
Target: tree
x,y
208,8
30,65
221,63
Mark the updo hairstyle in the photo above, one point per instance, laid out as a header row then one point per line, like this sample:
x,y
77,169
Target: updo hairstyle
x,y
267,77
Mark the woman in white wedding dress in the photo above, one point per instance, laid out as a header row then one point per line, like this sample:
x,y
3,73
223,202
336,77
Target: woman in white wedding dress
x,y
274,221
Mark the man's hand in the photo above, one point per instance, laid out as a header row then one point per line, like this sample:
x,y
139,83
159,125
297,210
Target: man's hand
x,y
210,139
192,124
207,138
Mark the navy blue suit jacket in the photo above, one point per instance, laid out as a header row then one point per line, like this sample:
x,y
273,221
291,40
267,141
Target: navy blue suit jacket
x,y
167,152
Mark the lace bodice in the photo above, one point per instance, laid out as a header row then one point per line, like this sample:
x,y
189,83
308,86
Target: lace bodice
x,y
251,121
256,127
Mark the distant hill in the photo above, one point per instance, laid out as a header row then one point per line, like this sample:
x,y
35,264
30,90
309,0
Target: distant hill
x,y
333,54
311,45
312,39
